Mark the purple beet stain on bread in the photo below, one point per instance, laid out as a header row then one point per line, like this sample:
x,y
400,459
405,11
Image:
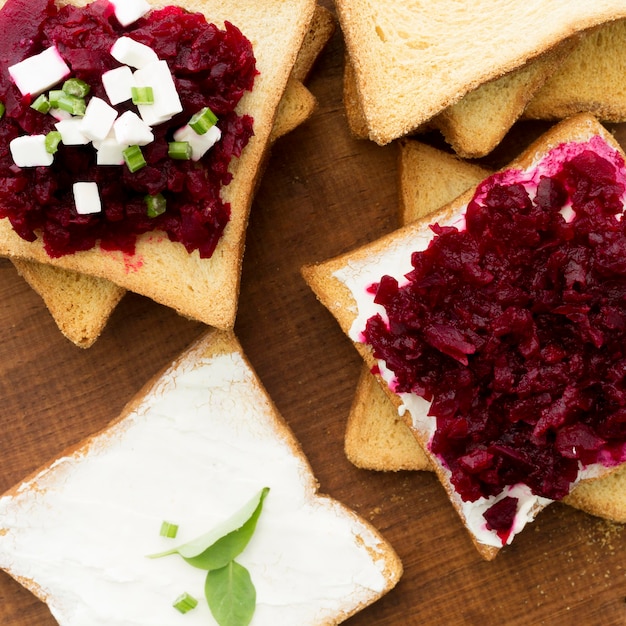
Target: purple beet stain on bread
x,y
513,327
165,183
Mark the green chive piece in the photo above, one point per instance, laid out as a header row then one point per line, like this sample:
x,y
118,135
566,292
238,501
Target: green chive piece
x,y
179,150
41,104
76,87
133,157
53,139
155,206
2,109
203,120
168,529
142,95
66,102
185,602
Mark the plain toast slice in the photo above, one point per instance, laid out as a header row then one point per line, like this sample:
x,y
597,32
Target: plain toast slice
x,y
411,61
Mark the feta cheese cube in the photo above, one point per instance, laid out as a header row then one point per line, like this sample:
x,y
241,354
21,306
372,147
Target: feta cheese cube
x,y
117,84
98,119
40,72
129,11
86,198
133,53
131,130
166,101
200,144
30,151
110,152
71,133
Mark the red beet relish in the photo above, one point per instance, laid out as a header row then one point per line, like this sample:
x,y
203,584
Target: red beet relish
x,y
515,330
210,66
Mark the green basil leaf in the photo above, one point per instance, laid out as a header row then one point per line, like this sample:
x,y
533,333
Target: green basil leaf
x,y
228,547
231,595
216,548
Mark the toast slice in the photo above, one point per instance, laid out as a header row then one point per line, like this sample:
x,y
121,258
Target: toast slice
x,y
342,285
591,79
376,437
478,122
413,61
197,442
204,289
81,304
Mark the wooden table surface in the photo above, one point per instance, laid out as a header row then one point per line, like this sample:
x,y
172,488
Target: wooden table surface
x,y
323,193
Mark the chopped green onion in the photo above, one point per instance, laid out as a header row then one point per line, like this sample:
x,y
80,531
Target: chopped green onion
x,y
133,157
41,104
66,102
2,109
180,150
53,139
155,206
142,95
184,603
76,87
203,120
168,529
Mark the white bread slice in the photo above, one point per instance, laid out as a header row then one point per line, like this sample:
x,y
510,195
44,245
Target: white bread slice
x,y
412,60
195,444
591,79
80,304
205,289
340,285
376,437
478,122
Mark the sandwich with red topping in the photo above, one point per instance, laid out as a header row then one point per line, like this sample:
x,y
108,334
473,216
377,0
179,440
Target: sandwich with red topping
x,y
133,138
496,325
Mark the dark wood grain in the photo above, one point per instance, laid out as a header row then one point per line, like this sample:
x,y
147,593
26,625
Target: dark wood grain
x,y
323,193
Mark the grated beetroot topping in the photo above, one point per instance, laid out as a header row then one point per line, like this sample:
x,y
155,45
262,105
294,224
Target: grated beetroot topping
x,y
515,330
211,67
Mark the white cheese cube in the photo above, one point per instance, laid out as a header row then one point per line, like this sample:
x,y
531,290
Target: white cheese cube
x,y
117,84
166,101
131,130
98,119
129,11
40,72
110,152
30,151
86,198
133,53
71,133
200,144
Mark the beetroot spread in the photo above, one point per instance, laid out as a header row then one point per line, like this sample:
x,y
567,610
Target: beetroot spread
x,y
210,67
515,329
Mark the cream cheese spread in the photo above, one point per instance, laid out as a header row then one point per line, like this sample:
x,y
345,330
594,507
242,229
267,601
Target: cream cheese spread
x,y
197,447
